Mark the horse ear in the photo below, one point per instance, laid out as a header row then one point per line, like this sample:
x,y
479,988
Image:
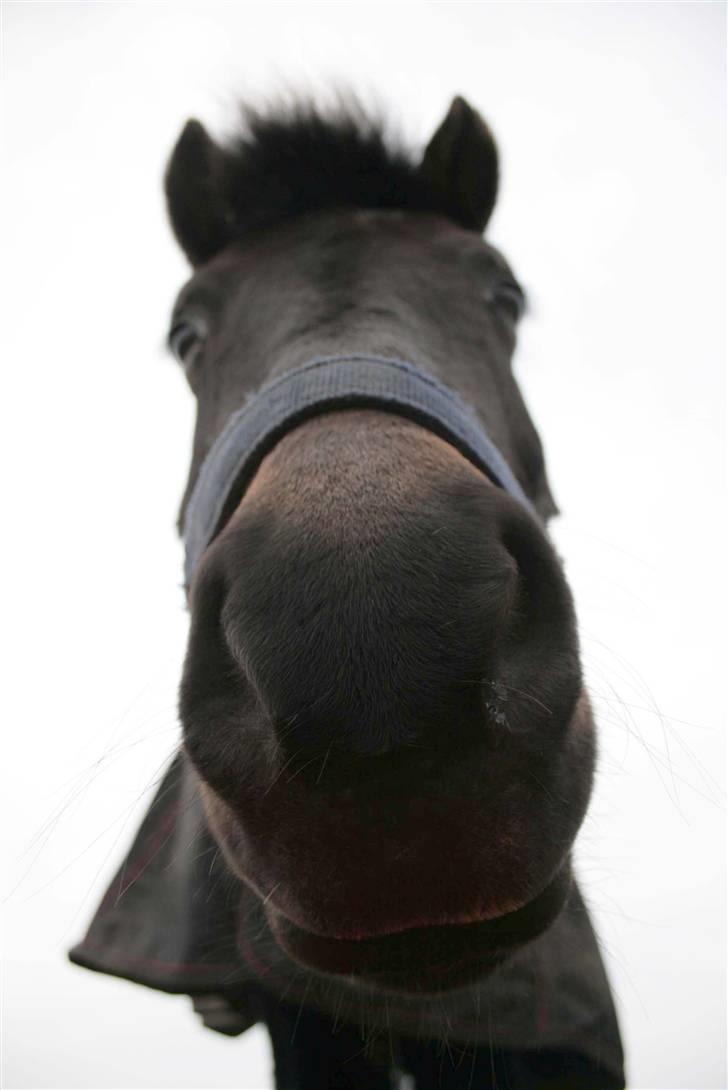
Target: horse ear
x,y
461,163
194,184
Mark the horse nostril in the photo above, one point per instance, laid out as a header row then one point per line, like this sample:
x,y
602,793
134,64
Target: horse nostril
x,y
540,670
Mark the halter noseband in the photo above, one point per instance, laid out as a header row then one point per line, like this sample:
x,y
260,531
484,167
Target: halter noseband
x,y
324,385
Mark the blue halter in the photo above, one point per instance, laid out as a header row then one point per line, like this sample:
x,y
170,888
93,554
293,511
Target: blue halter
x,y
323,385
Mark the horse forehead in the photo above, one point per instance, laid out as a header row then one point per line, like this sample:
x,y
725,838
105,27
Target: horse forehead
x,y
302,244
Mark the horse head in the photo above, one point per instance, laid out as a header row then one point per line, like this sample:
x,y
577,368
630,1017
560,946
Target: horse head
x,y
382,693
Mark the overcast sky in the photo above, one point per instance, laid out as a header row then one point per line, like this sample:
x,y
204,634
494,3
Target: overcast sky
x,y
610,119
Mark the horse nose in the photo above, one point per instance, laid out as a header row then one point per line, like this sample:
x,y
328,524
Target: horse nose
x,y
365,621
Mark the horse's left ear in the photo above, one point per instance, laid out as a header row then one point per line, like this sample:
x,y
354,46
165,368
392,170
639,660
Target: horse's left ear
x,y
196,199
461,164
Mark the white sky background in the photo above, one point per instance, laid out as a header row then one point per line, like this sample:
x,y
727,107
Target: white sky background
x,y
610,119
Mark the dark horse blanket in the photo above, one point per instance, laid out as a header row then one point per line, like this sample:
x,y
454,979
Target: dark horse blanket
x,y
174,918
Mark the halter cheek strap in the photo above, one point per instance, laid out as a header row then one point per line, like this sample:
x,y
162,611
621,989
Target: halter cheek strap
x,y
323,385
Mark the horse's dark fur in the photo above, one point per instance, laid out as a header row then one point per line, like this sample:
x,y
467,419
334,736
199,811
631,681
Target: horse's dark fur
x,y
382,693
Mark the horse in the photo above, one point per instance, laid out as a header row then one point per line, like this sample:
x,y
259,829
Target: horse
x,y
365,840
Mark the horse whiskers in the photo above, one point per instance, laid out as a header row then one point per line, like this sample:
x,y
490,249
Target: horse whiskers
x,y
270,894
323,764
281,770
310,761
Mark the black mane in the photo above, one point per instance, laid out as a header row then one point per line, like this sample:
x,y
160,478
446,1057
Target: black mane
x,y
300,159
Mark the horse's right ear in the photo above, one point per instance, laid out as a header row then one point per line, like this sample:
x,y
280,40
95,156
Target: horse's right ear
x,y
195,187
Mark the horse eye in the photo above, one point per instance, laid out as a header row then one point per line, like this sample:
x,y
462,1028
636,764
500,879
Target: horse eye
x,y
185,340
508,296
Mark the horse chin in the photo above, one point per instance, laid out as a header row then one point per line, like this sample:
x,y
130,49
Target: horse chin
x,y
425,958
411,955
